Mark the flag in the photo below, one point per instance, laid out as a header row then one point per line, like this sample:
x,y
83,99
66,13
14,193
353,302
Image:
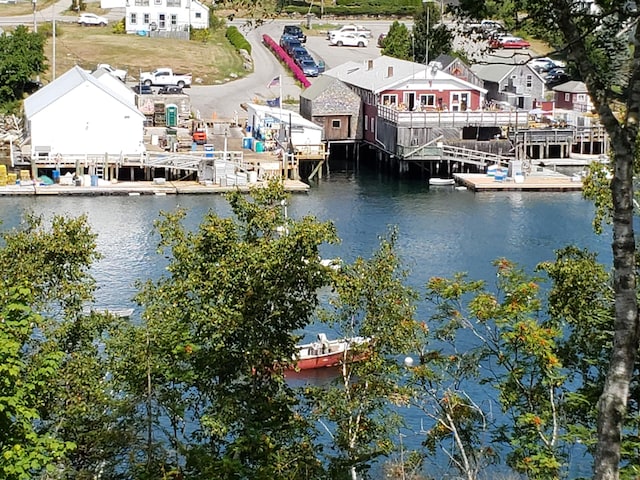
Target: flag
x,y
275,82
274,102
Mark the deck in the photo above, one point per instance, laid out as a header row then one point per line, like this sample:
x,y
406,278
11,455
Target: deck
x,y
549,182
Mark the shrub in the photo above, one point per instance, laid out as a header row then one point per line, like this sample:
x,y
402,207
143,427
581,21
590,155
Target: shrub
x,y
200,35
237,39
119,27
215,22
46,29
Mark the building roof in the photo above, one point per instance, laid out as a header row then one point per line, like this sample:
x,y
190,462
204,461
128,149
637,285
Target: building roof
x,y
284,116
497,72
385,73
64,84
572,86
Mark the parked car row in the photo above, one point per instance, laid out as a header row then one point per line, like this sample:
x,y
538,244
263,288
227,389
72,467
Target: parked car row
x,y
144,89
291,44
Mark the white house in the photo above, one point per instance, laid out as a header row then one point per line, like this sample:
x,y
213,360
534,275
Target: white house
x,y
78,114
165,15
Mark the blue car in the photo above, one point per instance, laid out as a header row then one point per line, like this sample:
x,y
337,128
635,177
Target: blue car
x,y
308,67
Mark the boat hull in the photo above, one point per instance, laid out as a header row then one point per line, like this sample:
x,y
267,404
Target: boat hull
x,y
326,354
442,181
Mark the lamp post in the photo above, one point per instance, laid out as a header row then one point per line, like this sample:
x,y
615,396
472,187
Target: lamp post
x,y
35,23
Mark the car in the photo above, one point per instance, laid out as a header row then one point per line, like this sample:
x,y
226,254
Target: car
x,y
295,31
289,42
509,42
349,40
142,89
297,52
91,19
308,67
543,65
556,76
170,90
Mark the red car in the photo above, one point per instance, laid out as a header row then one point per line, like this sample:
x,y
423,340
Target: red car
x,y
510,42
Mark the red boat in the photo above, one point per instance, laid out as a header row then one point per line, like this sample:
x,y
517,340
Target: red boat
x,y
327,353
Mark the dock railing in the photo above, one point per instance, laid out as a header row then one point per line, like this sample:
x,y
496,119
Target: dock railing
x,y
441,119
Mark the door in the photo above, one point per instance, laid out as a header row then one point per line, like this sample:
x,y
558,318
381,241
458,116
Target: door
x,y
409,99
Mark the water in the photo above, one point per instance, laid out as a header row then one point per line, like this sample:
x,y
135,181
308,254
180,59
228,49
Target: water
x,y
441,230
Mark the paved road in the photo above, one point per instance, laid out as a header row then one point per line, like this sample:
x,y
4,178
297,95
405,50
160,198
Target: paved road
x,y
224,101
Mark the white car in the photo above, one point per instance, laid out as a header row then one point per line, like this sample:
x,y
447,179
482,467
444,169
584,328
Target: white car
x,y
349,40
86,19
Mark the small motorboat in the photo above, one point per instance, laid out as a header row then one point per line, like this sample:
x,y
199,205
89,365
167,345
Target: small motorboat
x,y
441,181
116,312
328,353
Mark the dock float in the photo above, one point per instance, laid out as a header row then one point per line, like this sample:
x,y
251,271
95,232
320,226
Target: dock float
x,y
529,183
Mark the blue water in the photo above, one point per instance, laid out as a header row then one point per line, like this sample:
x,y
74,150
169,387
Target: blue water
x,y
441,230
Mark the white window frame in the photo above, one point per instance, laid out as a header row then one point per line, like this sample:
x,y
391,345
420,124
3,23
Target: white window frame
x,y
427,99
391,99
133,18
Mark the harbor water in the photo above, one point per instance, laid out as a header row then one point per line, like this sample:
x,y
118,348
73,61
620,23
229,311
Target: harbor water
x,y
441,230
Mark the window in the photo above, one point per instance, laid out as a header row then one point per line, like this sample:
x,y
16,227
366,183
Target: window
x,y
428,100
133,19
198,15
335,123
529,81
173,3
366,122
581,97
373,125
145,19
157,2
174,20
162,21
567,97
389,99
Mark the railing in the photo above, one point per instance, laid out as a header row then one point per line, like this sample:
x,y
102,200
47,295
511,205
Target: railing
x,y
483,118
447,152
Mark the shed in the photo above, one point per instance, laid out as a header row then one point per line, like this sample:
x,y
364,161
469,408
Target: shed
x,y
275,126
330,103
77,114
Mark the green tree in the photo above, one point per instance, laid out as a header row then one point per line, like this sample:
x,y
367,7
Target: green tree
x,y
21,59
596,39
516,353
398,41
216,333
371,300
39,351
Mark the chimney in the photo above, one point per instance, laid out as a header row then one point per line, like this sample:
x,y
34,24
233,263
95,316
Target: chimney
x,y
369,64
390,71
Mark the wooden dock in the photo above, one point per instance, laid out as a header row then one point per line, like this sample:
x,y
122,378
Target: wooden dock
x,y
139,188
478,182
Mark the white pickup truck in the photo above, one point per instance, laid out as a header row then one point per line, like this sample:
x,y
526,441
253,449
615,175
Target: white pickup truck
x,y
357,30
165,76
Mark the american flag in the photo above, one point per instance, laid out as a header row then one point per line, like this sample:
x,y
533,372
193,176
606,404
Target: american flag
x,y
275,82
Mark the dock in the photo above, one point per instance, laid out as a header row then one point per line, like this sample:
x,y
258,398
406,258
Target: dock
x,y
550,182
140,188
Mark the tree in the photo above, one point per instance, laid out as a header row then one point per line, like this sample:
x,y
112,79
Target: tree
x,y
217,333
516,352
596,40
371,300
21,59
397,43
45,271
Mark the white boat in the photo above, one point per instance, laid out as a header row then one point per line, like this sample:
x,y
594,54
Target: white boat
x,y
116,312
328,353
441,181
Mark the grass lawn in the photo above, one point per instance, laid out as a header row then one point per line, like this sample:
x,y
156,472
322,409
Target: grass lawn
x,y
209,62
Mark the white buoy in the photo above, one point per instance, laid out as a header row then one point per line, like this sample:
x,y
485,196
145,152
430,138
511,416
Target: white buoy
x,y
408,361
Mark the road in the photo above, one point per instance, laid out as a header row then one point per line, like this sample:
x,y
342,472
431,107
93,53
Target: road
x,y
223,101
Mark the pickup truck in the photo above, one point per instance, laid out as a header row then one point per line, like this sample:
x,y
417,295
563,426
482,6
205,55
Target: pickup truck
x,y
358,30
116,72
165,76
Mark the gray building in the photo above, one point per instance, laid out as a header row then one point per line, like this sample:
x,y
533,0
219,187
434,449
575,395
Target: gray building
x,y
518,85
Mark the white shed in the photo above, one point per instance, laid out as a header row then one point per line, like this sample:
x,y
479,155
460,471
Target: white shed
x,y
78,114
267,123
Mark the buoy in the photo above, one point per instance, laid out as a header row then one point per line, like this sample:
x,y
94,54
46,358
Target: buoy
x,y
408,361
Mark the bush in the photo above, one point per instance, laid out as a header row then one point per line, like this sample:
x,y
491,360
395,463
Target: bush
x,y
237,39
46,29
119,27
200,35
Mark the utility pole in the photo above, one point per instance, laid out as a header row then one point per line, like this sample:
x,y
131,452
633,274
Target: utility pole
x,y
426,40
35,23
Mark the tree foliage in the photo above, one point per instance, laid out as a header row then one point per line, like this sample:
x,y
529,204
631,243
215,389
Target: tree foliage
x,y
21,59
398,42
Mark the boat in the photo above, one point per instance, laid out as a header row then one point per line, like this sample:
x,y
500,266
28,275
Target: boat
x,y
441,181
327,353
116,312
